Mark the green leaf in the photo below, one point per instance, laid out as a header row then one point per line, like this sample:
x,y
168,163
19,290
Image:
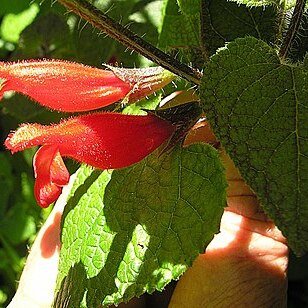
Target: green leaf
x,y
23,109
148,15
180,30
13,257
13,24
224,21
135,230
284,4
258,109
189,7
138,108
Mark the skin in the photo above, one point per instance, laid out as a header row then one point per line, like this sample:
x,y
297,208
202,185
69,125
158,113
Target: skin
x,y
244,265
37,282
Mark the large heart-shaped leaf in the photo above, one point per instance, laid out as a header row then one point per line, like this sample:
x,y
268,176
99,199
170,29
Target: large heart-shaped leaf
x,y
135,230
258,108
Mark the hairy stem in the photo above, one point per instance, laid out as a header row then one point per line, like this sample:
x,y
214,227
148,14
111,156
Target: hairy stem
x,y
293,28
129,39
203,37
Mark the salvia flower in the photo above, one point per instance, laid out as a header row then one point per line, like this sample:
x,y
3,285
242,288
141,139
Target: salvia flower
x,y
102,140
73,87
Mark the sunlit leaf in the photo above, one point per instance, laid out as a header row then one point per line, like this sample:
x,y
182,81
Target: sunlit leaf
x,y
258,108
140,227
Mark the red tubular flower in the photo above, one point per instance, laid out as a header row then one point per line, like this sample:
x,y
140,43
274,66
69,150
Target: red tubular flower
x,y
102,140
73,87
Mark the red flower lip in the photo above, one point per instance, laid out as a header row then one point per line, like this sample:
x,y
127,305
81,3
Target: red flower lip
x,y
102,140
50,173
73,87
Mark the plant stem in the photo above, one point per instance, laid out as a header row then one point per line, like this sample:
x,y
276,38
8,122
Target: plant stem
x,y
203,31
293,28
129,39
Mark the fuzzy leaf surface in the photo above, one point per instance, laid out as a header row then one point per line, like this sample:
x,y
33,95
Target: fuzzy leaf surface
x,y
180,26
258,109
138,228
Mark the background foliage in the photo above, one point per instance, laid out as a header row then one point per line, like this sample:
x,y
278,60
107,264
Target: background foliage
x,y
44,30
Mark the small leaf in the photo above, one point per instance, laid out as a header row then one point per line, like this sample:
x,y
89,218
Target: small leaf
x,y
13,24
135,230
258,109
139,108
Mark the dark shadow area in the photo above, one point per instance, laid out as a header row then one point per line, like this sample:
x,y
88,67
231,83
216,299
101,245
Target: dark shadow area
x,y
72,282
298,281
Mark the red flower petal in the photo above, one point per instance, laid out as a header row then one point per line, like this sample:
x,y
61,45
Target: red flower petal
x,y
73,87
63,85
50,173
102,140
